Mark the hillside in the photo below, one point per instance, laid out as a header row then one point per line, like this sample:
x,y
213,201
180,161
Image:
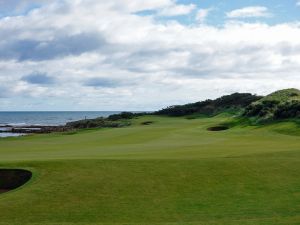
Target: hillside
x,y
284,95
281,104
236,101
278,105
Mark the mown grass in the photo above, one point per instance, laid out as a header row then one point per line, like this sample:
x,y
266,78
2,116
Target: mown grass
x,y
170,172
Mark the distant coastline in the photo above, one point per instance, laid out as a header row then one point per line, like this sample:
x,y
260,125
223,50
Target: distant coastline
x,y
48,118
26,119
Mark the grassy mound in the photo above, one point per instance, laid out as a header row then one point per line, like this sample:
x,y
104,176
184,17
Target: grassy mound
x,y
282,96
282,104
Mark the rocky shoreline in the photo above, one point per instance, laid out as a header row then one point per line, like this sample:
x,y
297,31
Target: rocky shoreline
x,y
113,121
32,129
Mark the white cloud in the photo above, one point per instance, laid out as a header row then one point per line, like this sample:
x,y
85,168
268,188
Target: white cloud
x,y
248,12
136,62
202,14
298,3
177,10
133,6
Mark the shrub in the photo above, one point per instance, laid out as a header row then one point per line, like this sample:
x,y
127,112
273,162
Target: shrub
x,y
288,110
123,115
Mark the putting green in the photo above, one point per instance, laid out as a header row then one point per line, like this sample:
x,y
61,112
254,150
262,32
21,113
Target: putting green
x,y
172,171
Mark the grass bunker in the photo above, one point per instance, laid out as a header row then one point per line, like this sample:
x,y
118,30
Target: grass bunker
x,y
11,179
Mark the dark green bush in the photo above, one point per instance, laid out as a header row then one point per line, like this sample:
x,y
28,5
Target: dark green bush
x,y
123,115
288,110
96,123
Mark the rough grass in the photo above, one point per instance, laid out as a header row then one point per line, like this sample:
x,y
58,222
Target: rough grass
x,y
170,172
283,96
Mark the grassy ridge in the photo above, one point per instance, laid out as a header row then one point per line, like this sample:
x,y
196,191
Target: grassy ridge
x,y
234,102
283,104
282,96
172,171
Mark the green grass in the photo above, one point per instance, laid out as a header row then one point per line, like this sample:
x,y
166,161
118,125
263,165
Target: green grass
x,y
282,96
171,172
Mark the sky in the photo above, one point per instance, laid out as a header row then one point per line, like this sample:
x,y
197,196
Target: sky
x,y
143,55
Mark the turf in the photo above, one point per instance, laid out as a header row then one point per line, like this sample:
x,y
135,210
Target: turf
x,y
170,172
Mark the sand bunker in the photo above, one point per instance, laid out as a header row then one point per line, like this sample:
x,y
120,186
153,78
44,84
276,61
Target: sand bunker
x,y
147,122
218,128
11,179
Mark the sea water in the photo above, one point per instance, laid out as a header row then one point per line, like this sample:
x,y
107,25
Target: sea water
x,y
46,118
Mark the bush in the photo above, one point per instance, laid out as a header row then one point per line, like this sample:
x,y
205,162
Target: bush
x,y
288,110
273,109
253,110
123,115
96,123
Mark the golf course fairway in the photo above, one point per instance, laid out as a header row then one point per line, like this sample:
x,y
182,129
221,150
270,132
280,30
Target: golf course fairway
x,y
173,171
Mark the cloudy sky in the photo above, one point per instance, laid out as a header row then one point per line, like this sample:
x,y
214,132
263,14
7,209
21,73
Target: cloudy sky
x,y
143,54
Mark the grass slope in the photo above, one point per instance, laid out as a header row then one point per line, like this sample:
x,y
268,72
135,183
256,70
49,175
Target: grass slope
x,y
283,104
282,96
171,172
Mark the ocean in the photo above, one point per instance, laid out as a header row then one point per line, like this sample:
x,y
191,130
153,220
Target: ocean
x,y
48,118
